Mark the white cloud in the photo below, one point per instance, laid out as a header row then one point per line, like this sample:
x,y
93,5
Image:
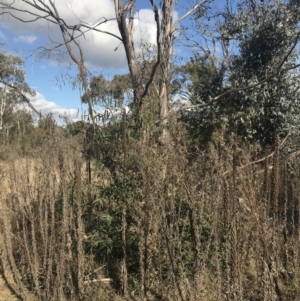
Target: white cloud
x,y
41,104
28,39
99,48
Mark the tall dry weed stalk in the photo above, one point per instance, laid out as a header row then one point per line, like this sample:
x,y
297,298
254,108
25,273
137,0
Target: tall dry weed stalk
x,y
275,179
44,231
172,222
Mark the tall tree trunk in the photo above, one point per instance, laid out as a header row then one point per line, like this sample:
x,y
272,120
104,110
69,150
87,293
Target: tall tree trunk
x,y
124,213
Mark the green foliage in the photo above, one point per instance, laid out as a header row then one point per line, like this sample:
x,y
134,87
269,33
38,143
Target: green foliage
x,y
13,120
12,71
265,35
168,200
48,124
204,79
108,93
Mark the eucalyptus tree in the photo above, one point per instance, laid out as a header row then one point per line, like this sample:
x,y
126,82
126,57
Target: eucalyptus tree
x,y
141,83
109,93
267,36
253,83
13,90
30,11
204,79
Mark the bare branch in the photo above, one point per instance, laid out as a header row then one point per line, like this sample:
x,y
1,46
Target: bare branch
x,y
212,100
29,21
187,14
101,31
197,106
154,68
52,15
23,96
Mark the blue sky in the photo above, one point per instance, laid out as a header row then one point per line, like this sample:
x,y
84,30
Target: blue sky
x,y
51,77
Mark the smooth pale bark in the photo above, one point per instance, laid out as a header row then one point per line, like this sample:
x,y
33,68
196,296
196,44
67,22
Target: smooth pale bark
x,y
164,39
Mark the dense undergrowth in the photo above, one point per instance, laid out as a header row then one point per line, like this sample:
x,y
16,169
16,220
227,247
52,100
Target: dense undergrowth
x,y
105,215
183,185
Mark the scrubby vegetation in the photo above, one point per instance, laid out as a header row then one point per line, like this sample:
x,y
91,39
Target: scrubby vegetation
x,y
171,222
198,203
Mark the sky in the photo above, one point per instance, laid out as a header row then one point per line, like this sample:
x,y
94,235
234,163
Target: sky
x,y
50,73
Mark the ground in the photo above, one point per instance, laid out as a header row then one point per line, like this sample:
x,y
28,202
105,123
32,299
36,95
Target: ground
x,y
5,293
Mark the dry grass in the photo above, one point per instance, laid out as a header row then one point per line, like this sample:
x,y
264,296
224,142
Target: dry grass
x,y
211,225
5,293
42,232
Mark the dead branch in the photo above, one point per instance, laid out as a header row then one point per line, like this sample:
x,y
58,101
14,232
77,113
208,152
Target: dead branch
x,y
23,96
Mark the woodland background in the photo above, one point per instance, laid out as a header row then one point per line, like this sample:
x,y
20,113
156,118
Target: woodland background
x,y
186,187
